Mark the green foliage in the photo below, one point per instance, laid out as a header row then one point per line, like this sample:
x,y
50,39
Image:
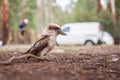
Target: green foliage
x,y
30,13
32,23
106,20
85,10
14,13
117,3
59,17
82,12
31,4
0,2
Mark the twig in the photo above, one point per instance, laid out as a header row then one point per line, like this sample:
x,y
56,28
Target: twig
x,y
19,57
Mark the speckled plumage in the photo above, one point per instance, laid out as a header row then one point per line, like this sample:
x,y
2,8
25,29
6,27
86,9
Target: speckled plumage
x,y
46,42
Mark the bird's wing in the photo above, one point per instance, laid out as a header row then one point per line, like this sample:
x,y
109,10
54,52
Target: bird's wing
x,y
39,45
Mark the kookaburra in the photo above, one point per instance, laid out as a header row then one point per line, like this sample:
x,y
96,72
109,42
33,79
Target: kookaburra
x,y
42,46
46,42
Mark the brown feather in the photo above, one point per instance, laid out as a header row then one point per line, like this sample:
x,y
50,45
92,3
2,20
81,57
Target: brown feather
x,y
39,45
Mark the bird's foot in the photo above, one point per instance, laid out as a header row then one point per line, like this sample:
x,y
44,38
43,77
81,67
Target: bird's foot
x,y
44,58
52,57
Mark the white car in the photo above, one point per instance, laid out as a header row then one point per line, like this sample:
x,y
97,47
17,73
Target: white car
x,y
1,43
82,33
107,38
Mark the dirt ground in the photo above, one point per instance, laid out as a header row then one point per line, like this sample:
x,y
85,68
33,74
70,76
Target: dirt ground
x,y
66,63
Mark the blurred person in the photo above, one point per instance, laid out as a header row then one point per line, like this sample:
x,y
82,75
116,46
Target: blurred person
x,y
22,26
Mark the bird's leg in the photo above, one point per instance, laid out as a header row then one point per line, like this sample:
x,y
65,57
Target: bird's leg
x,y
43,54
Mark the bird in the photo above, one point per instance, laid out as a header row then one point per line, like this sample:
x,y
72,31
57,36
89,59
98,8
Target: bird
x,y
46,42
42,47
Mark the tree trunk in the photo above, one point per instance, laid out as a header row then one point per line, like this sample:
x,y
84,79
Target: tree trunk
x,y
23,9
38,13
5,23
46,11
99,6
113,12
0,20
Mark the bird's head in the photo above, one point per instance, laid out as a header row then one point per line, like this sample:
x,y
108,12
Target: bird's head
x,y
55,29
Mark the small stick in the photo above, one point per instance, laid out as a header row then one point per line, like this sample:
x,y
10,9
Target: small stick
x,y
19,57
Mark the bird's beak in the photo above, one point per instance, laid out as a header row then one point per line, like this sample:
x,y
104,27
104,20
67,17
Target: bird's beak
x,y
61,32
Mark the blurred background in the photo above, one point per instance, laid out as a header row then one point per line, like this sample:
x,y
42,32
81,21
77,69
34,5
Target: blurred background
x,y
41,12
